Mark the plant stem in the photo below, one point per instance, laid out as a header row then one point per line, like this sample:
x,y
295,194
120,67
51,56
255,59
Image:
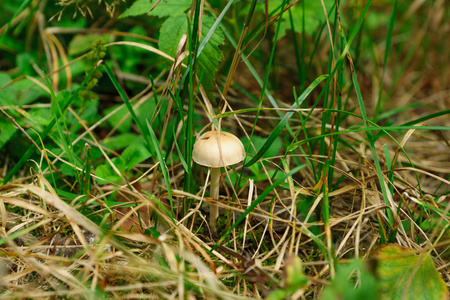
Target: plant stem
x,y
214,193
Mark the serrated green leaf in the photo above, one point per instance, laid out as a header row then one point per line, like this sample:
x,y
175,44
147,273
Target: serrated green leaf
x,y
165,8
403,274
170,35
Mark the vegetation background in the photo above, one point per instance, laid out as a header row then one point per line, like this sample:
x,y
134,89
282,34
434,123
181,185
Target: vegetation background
x,y
343,109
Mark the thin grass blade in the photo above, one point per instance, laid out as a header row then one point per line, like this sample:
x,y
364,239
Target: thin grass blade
x,y
284,120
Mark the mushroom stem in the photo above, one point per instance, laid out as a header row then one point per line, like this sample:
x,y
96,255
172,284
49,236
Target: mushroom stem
x,y
214,193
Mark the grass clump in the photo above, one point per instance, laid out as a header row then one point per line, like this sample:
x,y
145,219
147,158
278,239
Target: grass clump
x,y
342,109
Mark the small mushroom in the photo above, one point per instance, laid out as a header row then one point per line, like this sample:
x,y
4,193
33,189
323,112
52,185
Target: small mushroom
x,y
216,149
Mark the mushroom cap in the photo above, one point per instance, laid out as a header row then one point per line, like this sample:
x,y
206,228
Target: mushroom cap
x,y
206,149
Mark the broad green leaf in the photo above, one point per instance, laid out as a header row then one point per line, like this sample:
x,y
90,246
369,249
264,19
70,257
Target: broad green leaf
x,y
67,170
313,15
294,273
28,92
258,142
20,92
44,134
134,154
120,141
116,119
7,131
142,112
82,43
4,79
170,35
133,58
352,282
146,110
164,8
24,63
106,172
403,274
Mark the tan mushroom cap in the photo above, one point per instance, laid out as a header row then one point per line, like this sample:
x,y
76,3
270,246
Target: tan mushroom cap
x,y
206,150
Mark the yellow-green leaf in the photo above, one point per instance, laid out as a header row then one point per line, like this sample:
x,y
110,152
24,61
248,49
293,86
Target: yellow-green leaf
x,y
403,274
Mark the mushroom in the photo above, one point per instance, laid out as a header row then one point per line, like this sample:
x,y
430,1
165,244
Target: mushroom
x,y
216,149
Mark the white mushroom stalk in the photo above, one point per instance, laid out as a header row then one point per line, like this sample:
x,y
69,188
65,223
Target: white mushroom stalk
x,y
216,149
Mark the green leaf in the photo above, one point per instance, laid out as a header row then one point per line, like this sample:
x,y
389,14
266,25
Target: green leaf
x,y
134,154
82,43
403,274
20,92
162,164
170,35
294,273
116,119
107,173
4,79
164,8
24,63
132,58
7,131
120,141
347,276
313,16
258,142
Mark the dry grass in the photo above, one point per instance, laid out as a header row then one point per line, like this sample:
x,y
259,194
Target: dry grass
x,y
50,249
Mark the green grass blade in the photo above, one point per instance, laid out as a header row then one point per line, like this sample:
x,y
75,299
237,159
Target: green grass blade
x,y
161,205
162,164
386,54
86,173
18,11
129,107
65,138
386,129
214,27
254,73
371,143
268,66
429,117
187,170
284,120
